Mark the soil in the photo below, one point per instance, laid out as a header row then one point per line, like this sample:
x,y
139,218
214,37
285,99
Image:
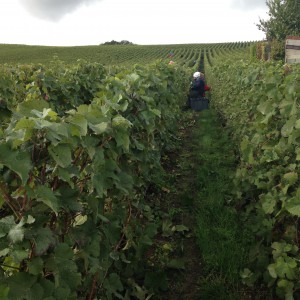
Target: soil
x,y
184,283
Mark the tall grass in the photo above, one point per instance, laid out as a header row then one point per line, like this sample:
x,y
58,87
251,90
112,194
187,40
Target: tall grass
x,y
220,235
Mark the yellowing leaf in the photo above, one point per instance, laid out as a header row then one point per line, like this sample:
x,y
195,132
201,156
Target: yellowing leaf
x,y
79,220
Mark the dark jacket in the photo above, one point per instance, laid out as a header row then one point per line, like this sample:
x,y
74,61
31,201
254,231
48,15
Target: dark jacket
x,y
197,88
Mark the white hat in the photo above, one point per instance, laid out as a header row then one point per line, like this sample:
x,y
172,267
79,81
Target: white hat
x,y
196,75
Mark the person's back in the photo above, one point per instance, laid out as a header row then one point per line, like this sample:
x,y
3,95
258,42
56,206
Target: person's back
x,y
196,90
197,86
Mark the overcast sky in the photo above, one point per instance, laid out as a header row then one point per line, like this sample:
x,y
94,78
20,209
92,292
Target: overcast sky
x,y
145,22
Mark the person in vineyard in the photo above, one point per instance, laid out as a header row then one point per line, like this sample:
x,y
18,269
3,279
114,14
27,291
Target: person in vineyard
x,y
171,54
196,89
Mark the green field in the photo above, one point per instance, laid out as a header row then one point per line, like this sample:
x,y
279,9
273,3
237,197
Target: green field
x,y
110,190
114,54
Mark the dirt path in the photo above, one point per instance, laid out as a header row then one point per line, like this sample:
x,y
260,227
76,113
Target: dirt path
x,y
182,166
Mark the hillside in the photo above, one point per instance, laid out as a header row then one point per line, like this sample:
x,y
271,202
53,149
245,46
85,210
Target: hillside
x,y
184,55
109,189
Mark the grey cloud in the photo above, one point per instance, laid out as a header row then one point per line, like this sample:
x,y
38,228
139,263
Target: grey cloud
x,y
53,9
248,4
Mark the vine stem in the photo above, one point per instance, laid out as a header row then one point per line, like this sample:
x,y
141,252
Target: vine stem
x,y
125,226
297,239
77,157
9,200
105,141
93,287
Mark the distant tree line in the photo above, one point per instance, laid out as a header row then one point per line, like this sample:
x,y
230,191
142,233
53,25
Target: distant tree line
x,y
113,42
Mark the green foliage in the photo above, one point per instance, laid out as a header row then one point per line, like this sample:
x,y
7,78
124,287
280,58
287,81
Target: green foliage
x,y
259,102
73,175
274,50
283,19
80,143
277,49
111,55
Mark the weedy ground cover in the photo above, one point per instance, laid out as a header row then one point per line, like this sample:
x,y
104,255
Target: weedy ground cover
x,y
204,261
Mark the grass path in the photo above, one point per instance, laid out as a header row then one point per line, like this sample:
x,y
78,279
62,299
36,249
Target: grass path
x,y
221,238
200,181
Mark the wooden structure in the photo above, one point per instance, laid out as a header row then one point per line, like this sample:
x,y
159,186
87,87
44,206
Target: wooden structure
x,y
292,49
